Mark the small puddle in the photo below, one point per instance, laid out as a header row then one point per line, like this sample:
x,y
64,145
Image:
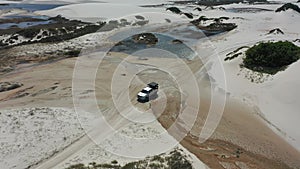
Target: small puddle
x,y
247,10
44,17
24,24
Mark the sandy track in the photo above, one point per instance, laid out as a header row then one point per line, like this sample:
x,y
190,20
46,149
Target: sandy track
x,y
78,146
232,127
116,121
237,129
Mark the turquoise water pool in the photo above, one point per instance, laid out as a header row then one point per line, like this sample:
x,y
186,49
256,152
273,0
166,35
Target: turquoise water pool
x,y
164,43
29,7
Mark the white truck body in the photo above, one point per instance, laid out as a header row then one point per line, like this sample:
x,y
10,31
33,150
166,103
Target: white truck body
x,y
148,93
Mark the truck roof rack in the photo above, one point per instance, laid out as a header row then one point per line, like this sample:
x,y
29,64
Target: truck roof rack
x,y
153,85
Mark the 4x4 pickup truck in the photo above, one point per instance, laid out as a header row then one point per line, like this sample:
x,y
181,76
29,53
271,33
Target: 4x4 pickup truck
x,y
148,93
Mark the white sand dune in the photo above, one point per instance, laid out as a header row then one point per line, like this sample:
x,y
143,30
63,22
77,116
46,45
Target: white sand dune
x,y
101,10
31,135
277,98
127,2
110,11
280,103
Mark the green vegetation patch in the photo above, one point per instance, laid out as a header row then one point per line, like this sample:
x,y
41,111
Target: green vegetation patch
x,y
233,56
271,57
288,6
173,160
72,53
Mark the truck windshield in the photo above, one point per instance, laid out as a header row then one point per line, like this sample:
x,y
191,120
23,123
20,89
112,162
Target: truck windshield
x,y
145,91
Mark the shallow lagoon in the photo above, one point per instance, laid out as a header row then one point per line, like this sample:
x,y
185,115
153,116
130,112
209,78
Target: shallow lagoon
x,y
30,8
